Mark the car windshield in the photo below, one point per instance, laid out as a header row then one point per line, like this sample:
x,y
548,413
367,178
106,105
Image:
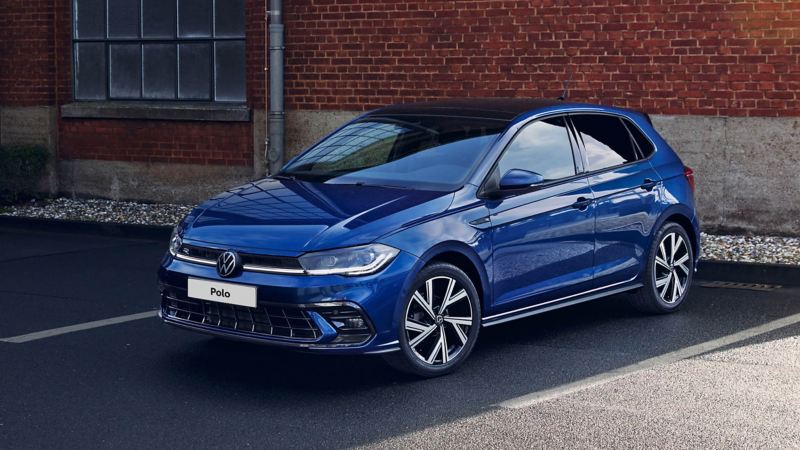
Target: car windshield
x,y
420,152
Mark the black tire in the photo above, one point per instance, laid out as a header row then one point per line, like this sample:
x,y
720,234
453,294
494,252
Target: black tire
x,y
410,360
649,298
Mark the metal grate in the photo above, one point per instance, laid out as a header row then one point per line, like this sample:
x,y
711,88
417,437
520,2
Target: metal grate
x,y
738,285
211,255
265,321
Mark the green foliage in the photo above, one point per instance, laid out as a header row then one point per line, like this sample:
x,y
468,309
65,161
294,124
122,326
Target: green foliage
x,y
21,168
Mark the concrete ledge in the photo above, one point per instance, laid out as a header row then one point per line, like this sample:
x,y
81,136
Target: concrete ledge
x,y
33,125
206,111
149,182
781,274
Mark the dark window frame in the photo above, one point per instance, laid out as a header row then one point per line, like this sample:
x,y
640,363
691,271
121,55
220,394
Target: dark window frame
x,y
577,157
175,40
625,122
567,132
632,129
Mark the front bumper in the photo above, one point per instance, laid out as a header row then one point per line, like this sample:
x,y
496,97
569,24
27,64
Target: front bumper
x,y
315,313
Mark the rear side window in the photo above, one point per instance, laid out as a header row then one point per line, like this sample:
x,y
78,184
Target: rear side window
x,y
542,147
606,140
645,146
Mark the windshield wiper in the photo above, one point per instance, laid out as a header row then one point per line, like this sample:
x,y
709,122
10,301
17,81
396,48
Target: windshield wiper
x,y
391,186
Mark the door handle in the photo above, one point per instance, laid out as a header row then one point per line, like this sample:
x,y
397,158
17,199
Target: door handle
x,y
582,203
648,184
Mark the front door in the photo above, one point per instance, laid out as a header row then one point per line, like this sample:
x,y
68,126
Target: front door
x,y
543,238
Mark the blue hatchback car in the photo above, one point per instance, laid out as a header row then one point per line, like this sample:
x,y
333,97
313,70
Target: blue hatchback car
x,y
408,229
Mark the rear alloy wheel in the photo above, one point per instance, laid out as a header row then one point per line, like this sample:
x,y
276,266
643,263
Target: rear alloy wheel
x,y
669,272
440,322
671,268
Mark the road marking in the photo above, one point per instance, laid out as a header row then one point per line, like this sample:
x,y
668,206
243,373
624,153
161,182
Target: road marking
x,y
79,327
667,358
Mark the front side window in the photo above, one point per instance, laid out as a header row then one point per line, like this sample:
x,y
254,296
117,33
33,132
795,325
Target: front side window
x,y
421,152
542,147
606,140
159,50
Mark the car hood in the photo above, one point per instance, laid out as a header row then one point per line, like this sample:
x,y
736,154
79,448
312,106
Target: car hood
x,y
291,216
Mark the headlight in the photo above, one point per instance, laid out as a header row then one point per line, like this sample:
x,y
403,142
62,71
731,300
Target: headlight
x,y
175,241
361,260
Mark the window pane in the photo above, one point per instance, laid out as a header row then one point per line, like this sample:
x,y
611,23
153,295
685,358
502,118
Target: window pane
x,y
159,71
90,19
542,147
229,18
158,18
123,18
126,70
606,140
194,71
90,71
229,71
644,144
194,18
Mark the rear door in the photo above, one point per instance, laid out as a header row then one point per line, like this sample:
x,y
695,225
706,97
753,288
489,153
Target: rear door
x,y
543,239
625,189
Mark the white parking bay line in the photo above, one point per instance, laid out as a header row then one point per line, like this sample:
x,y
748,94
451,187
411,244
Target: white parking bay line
x,y
79,327
667,358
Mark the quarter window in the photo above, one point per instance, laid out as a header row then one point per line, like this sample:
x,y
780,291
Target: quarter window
x,y
542,147
606,140
645,146
159,50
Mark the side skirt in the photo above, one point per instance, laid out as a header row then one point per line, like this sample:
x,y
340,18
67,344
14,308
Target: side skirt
x,y
560,303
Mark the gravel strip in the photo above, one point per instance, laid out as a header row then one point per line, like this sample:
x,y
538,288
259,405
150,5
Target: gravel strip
x,y
759,249
101,211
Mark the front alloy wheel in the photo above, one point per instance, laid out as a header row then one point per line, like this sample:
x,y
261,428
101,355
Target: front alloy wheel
x,y
440,322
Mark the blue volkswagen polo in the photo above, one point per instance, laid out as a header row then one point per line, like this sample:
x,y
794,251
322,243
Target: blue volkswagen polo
x,y
408,229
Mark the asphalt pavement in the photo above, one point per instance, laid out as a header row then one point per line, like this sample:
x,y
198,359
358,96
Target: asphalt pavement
x,y
597,374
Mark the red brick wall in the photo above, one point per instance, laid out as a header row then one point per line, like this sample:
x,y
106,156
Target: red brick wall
x,y
254,32
206,143
736,58
677,57
31,48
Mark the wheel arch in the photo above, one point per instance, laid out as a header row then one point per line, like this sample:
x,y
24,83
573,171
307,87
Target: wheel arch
x,y
465,258
682,216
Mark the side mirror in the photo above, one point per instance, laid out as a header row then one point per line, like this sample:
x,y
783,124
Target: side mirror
x,y
519,179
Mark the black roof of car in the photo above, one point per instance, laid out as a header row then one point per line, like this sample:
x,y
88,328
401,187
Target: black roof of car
x,y
505,109
488,108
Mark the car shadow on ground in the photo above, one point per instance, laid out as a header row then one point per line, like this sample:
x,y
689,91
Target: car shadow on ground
x,y
518,358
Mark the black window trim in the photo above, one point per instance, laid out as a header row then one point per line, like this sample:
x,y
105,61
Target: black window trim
x,y
176,40
576,156
624,119
630,125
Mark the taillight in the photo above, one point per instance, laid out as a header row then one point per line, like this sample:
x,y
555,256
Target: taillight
x,y
689,174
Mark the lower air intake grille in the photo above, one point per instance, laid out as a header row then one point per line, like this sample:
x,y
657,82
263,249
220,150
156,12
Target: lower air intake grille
x,y
264,321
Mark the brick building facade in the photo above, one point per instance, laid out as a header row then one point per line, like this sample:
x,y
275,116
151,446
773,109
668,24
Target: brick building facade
x,y
721,79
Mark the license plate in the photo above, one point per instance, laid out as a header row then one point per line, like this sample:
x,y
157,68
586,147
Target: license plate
x,y
217,291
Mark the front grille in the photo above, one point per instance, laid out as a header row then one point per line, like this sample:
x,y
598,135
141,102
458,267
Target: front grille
x,y
263,321
251,259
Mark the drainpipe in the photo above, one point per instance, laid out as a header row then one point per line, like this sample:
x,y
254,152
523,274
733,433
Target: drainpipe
x,y
276,115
